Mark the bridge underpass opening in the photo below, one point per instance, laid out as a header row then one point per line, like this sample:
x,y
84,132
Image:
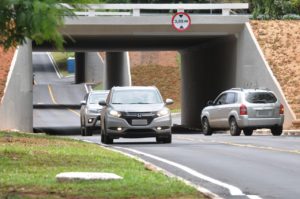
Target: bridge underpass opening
x,y
208,64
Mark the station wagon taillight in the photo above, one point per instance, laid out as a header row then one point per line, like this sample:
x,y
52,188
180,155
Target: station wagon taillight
x,y
243,110
281,111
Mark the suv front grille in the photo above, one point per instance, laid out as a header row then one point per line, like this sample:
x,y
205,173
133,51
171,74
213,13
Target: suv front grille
x,y
138,116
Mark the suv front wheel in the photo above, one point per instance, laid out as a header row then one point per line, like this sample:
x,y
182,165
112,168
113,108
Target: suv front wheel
x,y
234,128
206,127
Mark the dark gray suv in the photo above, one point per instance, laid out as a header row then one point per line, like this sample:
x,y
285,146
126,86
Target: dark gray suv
x,y
243,109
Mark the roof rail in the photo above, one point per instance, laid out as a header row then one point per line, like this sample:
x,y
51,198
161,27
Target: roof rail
x,y
237,89
262,88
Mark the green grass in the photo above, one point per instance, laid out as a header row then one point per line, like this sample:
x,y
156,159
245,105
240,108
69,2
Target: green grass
x,y
61,61
30,162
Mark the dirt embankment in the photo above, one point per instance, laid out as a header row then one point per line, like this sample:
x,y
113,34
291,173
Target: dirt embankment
x,y
280,42
5,62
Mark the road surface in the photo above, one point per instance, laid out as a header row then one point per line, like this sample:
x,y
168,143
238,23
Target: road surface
x,y
260,166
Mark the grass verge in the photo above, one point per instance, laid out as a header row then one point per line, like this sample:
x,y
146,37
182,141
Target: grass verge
x,y
29,164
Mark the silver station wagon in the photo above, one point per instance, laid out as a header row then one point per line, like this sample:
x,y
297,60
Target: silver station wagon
x,y
244,110
135,112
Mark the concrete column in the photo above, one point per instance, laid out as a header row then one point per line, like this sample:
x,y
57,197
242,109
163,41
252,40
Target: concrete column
x,y
16,109
79,67
94,67
206,70
117,70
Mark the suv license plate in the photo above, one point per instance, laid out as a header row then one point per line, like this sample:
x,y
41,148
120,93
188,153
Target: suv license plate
x,y
264,113
141,122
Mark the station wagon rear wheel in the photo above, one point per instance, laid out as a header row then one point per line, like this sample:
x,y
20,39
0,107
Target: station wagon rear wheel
x,y
248,132
276,131
206,127
234,128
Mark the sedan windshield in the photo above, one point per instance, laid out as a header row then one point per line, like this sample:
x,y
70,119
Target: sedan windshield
x,y
136,97
96,97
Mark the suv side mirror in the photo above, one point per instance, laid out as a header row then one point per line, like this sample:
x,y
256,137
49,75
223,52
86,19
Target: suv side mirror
x,y
210,103
102,103
83,102
169,101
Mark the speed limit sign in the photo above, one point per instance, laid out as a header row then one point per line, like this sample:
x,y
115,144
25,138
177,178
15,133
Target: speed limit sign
x,y
181,21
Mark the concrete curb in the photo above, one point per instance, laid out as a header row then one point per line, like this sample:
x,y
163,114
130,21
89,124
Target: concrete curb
x,y
285,132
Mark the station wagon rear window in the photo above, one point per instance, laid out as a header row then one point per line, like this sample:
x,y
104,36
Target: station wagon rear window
x,y
260,97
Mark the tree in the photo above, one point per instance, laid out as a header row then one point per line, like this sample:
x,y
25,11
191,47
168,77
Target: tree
x,y
38,20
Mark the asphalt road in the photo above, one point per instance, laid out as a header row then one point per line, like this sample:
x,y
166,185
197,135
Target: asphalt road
x,y
260,166
54,98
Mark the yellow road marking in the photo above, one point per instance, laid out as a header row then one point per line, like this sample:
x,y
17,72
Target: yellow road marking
x,y
268,148
74,112
54,101
51,94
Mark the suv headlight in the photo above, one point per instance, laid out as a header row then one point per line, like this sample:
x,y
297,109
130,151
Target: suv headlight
x,y
114,113
163,112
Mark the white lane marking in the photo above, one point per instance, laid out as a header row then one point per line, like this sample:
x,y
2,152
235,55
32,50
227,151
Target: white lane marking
x,y
167,173
54,65
232,189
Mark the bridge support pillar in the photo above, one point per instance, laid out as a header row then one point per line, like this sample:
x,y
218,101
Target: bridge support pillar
x,y
117,70
79,67
206,70
94,67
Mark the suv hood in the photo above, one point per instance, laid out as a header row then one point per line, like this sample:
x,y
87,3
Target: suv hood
x,y
137,107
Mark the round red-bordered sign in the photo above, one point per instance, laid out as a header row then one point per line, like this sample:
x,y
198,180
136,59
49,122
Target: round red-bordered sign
x,y
181,21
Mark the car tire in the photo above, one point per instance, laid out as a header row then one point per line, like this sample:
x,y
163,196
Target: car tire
x,y
248,132
105,139
88,131
234,128
82,128
168,139
207,131
276,131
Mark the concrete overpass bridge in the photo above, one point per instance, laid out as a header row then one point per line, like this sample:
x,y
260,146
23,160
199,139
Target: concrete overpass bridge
x,y
217,51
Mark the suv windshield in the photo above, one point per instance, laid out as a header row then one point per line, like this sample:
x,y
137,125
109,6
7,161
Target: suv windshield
x,y
136,97
260,97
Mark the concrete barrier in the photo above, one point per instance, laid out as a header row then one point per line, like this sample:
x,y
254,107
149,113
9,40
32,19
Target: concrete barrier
x,y
16,106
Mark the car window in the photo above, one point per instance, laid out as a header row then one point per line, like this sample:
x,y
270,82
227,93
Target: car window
x,y
260,97
96,97
221,99
231,98
136,97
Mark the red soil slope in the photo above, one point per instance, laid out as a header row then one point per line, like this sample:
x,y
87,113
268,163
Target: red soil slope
x,y
280,42
5,61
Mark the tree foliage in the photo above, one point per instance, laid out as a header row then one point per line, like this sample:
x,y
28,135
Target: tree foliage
x,y
38,20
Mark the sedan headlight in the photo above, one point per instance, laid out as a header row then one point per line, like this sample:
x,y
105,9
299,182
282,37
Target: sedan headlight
x,y
115,113
163,112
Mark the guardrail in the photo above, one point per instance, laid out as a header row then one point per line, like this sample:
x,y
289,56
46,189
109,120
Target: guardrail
x,y
135,9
